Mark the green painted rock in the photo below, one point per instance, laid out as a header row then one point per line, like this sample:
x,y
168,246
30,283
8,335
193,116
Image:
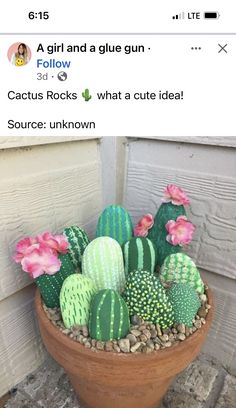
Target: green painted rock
x,y
78,241
103,263
50,285
185,303
109,316
115,222
75,299
180,268
139,253
158,232
146,297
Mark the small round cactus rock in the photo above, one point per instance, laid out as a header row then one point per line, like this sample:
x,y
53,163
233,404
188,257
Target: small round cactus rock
x,y
146,297
180,268
75,298
109,316
185,303
115,222
139,253
103,263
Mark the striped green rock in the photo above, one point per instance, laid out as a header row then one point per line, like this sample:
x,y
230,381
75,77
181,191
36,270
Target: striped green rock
x,y
146,297
139,253
158,232
78,241
109,316
180,268
103,263
185,303
115,222
75,299
50,285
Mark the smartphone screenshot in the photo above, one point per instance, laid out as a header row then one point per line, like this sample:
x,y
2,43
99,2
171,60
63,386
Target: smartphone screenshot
x,y
123,69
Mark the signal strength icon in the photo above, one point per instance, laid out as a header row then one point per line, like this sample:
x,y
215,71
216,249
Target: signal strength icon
x,y
179,16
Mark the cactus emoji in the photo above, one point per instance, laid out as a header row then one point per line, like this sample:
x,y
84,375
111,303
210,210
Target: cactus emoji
x,y
180,268
75,298
86,95
103,263
115,222
146,297
139,254
109,316
78,240
185,303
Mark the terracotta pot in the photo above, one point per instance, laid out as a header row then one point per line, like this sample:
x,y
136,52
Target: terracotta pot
x,y
113,380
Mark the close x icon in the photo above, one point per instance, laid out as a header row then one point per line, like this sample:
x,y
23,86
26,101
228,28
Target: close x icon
x,y
223,48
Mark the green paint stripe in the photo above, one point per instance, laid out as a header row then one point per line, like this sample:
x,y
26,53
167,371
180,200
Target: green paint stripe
x,y
112,315
152,253
121,317
139,243
126,257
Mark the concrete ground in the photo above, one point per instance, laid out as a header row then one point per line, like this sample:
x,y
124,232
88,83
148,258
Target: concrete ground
x,y
204,384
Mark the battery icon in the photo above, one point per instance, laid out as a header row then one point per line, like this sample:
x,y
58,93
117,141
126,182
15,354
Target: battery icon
x,y
211,14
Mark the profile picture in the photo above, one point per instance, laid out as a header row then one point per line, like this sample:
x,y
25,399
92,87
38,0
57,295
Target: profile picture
x,y
19,54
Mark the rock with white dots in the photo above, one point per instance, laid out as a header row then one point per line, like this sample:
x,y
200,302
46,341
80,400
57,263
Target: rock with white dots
x,y
109,316
185,303
146,297
180,268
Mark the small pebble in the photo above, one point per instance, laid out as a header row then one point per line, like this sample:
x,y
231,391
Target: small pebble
x,y
94,342
153,333
150,344
135,347
159,332
109,346
147,333
181,336
208,306
142,327
164,338
203,298
66,331
85,331
100,345
124,345
136,333
147,350
187,331
157,346
116,348
198,324
136,320
181,328
87,344
132,339
168,344
143,338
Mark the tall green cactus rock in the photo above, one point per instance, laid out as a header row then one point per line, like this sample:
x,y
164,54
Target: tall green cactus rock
x,y
146,297
78,240
50,285
115,222
75,299
109,316
103,263
158,232
185,303
180,268
139,253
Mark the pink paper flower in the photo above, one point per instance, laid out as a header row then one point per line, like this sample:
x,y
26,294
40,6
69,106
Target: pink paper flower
x,y
41,260
141,229
175,195
23,247
180,231
57,242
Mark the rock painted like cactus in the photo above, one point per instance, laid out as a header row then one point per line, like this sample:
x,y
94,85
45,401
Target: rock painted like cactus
x,y
180,268
50,285
158,232
139,253
75,299
109,316
78,240
185,303
103,263
115,222
146,297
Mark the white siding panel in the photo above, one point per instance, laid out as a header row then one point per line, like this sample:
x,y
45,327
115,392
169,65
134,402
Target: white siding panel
x,y
46,188
208,175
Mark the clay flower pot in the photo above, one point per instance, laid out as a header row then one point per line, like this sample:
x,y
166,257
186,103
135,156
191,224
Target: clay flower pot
x,y
115,380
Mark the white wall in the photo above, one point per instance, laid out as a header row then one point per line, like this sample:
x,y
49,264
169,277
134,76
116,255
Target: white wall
x,y
47,184
208,174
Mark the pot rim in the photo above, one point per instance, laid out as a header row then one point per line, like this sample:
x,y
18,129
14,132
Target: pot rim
x,y
67,342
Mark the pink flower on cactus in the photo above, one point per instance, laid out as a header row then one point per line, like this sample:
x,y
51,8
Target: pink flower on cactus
x,y
175,195
23,247
41,260
141,229
58,243
180,231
